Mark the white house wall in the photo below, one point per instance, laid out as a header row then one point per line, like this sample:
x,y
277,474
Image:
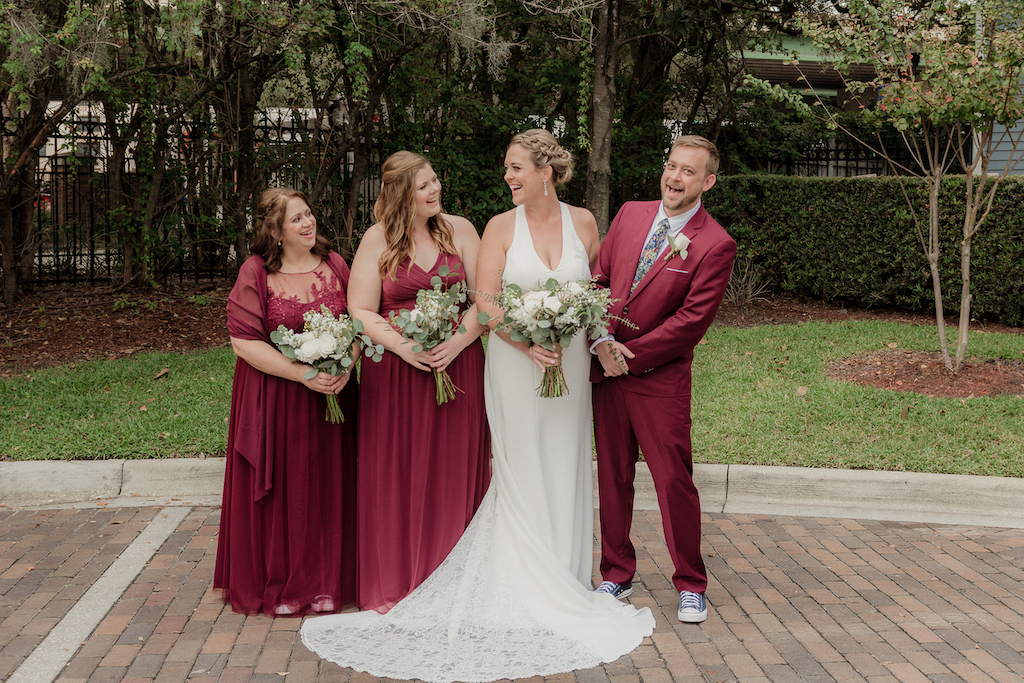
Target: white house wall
x,y
1004,153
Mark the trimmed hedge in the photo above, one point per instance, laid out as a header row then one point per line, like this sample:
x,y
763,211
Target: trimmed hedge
x,y
852,240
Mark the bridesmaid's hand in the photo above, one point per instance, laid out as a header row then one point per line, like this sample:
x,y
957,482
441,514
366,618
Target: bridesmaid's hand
x,y
326,383
442,355
418,359
544,358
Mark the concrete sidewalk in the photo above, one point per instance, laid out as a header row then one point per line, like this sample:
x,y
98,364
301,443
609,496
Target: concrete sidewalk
x,y
107,590
730,489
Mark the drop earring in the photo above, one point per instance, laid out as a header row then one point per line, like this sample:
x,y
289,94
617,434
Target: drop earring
x,y
545,188
279,243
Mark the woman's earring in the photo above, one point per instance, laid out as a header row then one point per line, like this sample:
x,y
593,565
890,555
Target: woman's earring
x,y
279,243
545,188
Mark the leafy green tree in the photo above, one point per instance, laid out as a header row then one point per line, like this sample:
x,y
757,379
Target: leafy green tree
x,y
949,75
679,60
46,47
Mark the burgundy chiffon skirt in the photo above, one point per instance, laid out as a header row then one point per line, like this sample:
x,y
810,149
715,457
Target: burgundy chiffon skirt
x,y
287,531
423,470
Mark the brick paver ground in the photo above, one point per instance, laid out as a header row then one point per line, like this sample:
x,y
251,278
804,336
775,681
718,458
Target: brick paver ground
x,y
792,599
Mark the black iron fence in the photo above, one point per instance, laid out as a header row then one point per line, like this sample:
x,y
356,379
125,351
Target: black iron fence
x,y
80,230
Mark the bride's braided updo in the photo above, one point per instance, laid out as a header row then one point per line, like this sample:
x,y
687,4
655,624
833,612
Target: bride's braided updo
x,y
545,151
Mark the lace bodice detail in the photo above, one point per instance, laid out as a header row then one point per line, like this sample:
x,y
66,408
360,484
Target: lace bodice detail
x,y
289,295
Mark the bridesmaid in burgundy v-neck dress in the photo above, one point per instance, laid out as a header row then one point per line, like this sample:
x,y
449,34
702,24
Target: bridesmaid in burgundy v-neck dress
x,y
423,468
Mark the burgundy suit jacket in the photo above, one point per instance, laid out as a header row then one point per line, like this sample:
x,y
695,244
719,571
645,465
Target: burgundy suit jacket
x,y
672,307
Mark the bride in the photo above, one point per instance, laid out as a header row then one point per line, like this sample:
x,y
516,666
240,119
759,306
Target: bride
x,y
513,599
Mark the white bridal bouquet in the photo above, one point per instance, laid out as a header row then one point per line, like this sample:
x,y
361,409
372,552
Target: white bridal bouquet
x,y
436,317
553,314
328,343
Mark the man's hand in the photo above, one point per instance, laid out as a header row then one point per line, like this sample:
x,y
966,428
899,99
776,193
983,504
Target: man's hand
x,y
613,357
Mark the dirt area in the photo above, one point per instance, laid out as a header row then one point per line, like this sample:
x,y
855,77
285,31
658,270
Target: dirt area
x,y
65,325
75,323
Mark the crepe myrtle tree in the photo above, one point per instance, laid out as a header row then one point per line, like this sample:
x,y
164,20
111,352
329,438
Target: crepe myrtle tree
x,y
949,76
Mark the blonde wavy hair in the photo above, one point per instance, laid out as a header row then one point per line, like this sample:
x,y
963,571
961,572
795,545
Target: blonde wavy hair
x,y
395,211
545,151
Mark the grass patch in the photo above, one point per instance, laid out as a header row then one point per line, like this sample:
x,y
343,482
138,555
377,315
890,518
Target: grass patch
x,y
760,397
116,409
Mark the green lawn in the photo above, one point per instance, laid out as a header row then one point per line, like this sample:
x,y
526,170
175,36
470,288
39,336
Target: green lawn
x,y
760,397
116,409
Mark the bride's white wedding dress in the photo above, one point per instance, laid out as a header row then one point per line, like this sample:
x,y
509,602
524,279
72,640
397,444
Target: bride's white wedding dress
x,y
513,598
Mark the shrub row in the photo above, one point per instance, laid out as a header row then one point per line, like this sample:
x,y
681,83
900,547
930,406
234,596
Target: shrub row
x,y
853,240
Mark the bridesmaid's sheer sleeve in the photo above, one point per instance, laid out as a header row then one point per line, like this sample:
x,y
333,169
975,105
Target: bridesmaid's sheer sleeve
x,y
246,305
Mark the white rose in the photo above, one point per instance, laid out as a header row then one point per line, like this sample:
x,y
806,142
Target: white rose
x,y
305,337
677,244
534,301
416,315
326,344
552,304
679,241
572,289
308,352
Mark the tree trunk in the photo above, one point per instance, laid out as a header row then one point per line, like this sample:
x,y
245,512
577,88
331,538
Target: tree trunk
x,y
602,106
11,284
965,303
151,209
935,184
361,151
239,168
118,192
25,213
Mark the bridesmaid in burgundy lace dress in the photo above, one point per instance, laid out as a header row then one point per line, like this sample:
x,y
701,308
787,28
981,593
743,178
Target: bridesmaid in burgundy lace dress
x,y
423,468
287,529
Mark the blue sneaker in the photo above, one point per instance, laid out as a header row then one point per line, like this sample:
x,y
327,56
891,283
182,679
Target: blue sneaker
x,y
616,590
693,608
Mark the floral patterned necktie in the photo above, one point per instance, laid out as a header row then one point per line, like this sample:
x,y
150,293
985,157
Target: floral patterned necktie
x,y
650,253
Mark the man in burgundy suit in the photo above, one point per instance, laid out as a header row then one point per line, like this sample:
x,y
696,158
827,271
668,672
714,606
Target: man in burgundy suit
x,y
668,263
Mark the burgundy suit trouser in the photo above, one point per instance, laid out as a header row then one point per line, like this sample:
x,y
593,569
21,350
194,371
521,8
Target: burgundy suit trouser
x,y
659,426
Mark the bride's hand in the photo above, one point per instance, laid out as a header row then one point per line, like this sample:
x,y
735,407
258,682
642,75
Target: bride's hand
x,y
545,358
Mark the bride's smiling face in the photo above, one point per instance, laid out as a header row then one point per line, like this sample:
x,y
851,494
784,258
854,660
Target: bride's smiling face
x,y
522,176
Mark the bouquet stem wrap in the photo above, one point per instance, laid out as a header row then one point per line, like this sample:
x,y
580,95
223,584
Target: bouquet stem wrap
x,y
553,385
445,386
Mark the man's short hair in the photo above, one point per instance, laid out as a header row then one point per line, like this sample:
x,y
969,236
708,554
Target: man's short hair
x,y
711,167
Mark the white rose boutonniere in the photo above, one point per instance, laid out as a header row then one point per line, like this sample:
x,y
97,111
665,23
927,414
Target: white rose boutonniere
x,y
677,244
